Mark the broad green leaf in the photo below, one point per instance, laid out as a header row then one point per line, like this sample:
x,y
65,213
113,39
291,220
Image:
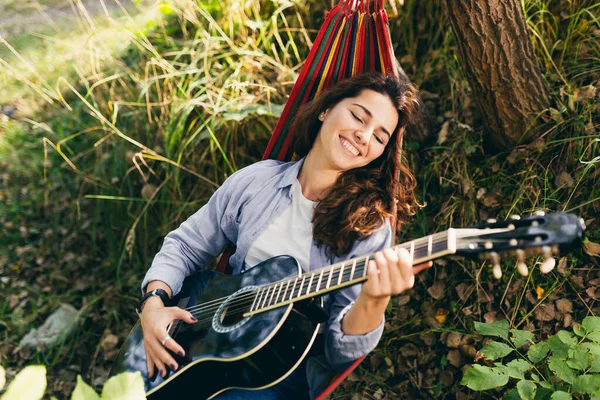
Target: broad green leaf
x,y
560,395
2,377
498,328
594,349
559,349
594,336
586,384
495,350
545,385
579,330
579,358
526,389
512,394
29,384
517,368
561,369
538,352
591,324
567,338
519,338
83,391
125,386
483,378
535,377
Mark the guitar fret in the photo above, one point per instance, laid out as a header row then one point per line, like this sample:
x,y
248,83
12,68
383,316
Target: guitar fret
x,y
341,273
286,289
256,296
301,286
309,283
352,270
264,300
278,293
429,244
412,249
329,279
272,293
293,289
366,265
320,279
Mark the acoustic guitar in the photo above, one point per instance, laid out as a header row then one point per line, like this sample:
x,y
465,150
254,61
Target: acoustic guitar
x,y
255,328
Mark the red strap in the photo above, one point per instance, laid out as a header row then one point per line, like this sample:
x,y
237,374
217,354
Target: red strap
x,y
336,382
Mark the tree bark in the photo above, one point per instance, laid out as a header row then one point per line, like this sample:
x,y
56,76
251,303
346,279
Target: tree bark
x,y
500,65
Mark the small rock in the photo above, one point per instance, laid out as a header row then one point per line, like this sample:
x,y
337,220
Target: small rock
x,y
454,357
58,325
453,340
564,306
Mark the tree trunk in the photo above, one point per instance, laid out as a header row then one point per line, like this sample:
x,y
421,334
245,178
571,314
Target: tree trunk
x,y
500,64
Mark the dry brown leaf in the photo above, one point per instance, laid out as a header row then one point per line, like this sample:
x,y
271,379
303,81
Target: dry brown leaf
x,y
437,290
564,306
454,358
562,265
453,340
564,179
591,248
441,315
545,312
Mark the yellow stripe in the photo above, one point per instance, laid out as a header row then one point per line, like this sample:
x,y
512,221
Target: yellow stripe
x,y
361,20
330,58
379,50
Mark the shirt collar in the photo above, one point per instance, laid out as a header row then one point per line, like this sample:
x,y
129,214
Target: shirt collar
x,y
291,174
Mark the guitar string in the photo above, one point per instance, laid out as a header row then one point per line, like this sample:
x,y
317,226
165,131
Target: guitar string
x,y
283,280
214,305
210,306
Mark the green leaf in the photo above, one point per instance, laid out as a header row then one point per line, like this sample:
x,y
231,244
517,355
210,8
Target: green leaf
x,y
495,350
517,368
483,378
560,395
559,349
579,358
526,389
585,383
512,394
538,352
29,384
125,386
545,385
561,369
498,328
591,324
519,338
594,349
594,336
535,377
567,338
83,391
579,330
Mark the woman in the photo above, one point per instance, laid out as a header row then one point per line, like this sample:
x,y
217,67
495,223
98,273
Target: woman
x,y
333,204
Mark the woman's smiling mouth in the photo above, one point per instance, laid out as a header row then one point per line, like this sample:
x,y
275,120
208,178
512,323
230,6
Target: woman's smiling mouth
x,y
346,144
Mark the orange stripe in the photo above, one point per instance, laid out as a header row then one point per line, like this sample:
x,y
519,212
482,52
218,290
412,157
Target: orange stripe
x,y
330,58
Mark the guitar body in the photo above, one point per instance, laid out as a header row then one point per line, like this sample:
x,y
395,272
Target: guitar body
x,y
224,350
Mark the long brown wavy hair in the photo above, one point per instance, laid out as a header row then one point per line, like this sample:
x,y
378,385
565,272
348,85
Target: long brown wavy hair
x,y
361,198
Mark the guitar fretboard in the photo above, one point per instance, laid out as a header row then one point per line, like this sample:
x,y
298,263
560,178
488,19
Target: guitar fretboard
x,y
337,276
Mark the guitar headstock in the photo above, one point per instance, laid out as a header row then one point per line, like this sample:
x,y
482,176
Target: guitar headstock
x,y
546,234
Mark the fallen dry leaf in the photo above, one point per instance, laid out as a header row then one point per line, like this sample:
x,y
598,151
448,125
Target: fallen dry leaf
x,y
441,315
540,292
437,290
545,312
564,306
591,248
453,340
564,179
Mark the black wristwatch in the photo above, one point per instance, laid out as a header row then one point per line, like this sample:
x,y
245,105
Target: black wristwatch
x,y
164,296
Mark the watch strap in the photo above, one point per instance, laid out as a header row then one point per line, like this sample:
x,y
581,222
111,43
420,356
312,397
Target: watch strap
x,y
164,296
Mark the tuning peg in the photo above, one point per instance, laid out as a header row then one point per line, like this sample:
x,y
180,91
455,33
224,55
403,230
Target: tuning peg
x,y
496,269
521,266
539,213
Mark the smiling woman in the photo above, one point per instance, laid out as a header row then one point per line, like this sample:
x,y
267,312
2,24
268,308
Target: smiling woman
x,y
333,204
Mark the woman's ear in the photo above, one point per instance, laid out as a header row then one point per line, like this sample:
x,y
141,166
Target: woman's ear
x,y
323,114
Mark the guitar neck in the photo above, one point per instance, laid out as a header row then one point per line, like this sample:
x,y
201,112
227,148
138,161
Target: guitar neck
x,y
347,273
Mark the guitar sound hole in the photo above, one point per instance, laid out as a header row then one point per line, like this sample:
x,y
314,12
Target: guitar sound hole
x,y
230,314
229,318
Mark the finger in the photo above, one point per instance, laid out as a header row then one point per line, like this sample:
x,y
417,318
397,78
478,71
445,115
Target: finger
x,y
421,267
384,273
184,315
160,366
163,355
405,266
396,279
172,345
149,363
373,275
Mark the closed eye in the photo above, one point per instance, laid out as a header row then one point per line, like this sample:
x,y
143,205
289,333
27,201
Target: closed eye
x,y
356,117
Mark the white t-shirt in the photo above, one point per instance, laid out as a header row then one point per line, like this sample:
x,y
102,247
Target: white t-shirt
x,y
289,234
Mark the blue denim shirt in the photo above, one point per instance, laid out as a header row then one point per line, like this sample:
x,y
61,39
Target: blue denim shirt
x,y
238,212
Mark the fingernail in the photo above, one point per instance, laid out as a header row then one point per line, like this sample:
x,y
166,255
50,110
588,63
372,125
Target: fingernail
x,y
181,354
163,373
173,367
193,318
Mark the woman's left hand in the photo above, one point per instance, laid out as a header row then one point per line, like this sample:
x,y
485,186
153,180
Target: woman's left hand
x,y
391,272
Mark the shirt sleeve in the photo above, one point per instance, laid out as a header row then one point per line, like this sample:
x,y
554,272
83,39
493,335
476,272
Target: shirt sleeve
x,y
341,349
199,239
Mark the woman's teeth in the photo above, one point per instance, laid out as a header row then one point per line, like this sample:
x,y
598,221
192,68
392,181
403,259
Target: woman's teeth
x,y
349,147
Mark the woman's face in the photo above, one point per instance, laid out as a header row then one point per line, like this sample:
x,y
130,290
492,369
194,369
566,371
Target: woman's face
x,y
356,130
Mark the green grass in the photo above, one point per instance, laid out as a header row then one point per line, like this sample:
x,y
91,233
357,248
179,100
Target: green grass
x,y
151,113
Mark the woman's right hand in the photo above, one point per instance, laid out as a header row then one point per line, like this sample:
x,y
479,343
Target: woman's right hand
x,y
155,319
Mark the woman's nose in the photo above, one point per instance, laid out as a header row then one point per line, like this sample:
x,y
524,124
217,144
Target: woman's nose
x,y
363,135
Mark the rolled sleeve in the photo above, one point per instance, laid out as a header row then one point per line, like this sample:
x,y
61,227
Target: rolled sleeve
x,y
198,240
341,349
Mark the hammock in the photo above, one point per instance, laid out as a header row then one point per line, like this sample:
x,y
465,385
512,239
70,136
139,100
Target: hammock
x,y
354,38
